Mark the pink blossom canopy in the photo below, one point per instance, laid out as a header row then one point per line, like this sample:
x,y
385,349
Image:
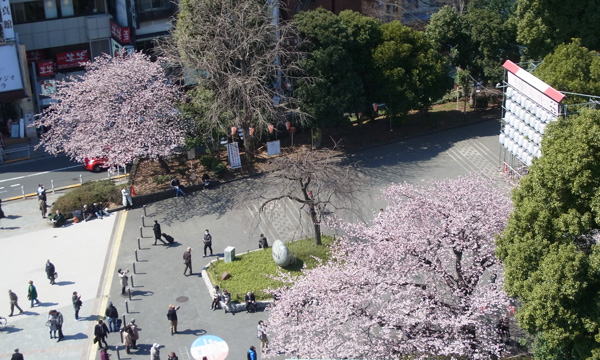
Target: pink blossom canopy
x,y
122,108
422,280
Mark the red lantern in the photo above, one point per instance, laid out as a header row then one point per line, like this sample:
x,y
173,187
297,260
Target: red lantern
x,y
288,125
271,128
251,131
233,130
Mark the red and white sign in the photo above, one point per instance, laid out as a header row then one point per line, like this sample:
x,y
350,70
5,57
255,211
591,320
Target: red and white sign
x,y
72,59
537,90
120,33
45,68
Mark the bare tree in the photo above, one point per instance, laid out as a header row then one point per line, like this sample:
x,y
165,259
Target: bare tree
x,y
239,51
318,180
385,10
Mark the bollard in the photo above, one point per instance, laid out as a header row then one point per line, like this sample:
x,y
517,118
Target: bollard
x,y
141,231
52,186
145,211
126,306
117,349
131,278
129,293
136,256
143,221
23,191
80,179
134,269
123,322
139,244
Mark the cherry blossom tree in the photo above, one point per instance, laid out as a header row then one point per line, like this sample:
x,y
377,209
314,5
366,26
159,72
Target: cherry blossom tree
x,y
422,280
121,109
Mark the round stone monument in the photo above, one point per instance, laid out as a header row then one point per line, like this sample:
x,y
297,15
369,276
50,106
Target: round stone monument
x,y
281,254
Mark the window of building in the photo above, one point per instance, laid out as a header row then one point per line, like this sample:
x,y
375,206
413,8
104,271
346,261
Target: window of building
x,y
27,11
39,10
50,9
155,9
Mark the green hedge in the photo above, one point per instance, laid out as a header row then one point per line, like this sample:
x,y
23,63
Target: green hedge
x,y
104,191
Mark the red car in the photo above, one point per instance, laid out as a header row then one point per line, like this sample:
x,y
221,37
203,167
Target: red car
x,y
95,164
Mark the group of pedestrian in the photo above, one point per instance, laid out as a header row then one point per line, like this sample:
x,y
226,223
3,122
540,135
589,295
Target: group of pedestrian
x,y
32,293
92,211
55,323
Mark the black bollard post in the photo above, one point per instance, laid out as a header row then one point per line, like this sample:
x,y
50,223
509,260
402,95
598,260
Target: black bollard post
x,y
145,210
123,323
126,306
131,278
141,231
139,244
129,293
117,350
143,221
136,256
134,269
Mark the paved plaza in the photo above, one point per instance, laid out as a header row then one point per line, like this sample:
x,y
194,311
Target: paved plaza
x,y
88,254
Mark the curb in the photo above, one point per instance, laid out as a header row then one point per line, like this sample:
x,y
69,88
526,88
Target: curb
x,y
66,187
11,161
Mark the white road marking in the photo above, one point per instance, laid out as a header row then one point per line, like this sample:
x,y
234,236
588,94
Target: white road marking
x,y
41,173
15,185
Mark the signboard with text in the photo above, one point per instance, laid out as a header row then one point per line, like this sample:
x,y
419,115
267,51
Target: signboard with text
x,y
71,59
45,68
120,33
8,29
10,69
233,153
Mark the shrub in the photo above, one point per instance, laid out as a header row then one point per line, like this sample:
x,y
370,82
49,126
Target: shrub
x,y
219,168
209,161
161,179
104,191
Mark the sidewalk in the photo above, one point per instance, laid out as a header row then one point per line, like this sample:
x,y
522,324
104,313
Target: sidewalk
x,y
78,252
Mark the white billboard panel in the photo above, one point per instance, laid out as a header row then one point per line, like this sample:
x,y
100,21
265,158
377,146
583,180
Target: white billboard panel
x,y
10,69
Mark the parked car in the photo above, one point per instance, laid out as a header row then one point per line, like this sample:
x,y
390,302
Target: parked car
x,y
95,164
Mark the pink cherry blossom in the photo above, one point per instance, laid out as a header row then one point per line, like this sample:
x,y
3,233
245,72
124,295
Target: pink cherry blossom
x,y
422,280
121,108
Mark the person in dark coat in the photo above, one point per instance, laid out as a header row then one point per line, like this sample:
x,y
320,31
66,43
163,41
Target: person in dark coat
x,y
157,233
172,317
262,242
250,300
50,272
17,355
207,242
76,299
14,302
112,315
187,260
251,355
100,333
32,294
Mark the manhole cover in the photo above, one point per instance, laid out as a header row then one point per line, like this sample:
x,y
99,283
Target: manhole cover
x,y
182,299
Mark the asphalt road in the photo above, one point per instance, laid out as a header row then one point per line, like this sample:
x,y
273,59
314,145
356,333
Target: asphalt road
x,y
25,176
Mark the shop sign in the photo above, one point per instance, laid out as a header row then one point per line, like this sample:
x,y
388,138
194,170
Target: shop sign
x,y
118,49
45,68
6,21
120,33
72,59
10,69
48,87
36,55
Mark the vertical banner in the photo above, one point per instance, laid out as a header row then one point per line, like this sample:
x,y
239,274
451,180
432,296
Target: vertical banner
x,y
7,22
233,153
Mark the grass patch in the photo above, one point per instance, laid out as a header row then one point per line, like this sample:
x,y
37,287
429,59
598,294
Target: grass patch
x,y
250,272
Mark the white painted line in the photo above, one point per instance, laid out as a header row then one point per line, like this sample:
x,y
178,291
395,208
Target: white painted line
x,y
15,185
41,173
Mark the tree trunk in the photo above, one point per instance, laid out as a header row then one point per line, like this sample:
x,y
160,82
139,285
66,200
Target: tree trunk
x,y
164,165
249,145
316,224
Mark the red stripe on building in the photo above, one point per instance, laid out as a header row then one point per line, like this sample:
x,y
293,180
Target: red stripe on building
x,y
554,94
511,66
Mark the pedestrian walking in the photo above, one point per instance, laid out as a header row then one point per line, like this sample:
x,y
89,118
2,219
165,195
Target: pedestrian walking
x,y
127,335
100,334
262,242
158,233
135,333
17,355
187,260
60,325
104,355
41,192
261,330
14,302
126,198
43,206
32,294
52,323
155,352
172,356
76,299
207,242
112,315
50,272
172,317
176,185
124,278
251,355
